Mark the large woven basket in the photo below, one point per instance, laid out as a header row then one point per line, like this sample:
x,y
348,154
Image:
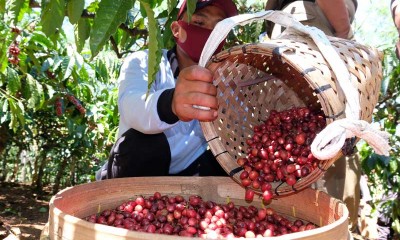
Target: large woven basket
x,y
69,206
254,79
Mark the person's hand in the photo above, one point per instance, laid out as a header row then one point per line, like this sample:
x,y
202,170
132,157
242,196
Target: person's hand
x,y
194,88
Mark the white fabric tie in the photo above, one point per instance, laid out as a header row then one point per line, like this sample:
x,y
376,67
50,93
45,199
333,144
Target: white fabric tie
x,y
330,140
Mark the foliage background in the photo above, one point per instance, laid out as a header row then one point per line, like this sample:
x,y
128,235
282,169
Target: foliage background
x,y
374,26
59,64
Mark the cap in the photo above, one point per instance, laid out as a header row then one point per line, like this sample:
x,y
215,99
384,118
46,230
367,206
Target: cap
x,y
228,6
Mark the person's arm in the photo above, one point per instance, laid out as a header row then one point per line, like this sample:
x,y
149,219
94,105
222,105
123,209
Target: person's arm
x,y
137,111
271,5
337,15
396,20
167,102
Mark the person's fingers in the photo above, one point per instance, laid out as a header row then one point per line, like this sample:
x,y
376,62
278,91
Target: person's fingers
x,y
196,73
189,112
196,86
196,98
195,95
203,100
195,105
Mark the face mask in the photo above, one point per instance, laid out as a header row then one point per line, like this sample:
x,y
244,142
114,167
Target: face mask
x,y
196,38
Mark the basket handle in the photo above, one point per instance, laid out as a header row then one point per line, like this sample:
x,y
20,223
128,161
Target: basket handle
x,y
326,145
222,29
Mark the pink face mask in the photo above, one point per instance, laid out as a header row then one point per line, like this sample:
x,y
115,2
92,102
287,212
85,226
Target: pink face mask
x,y
196,38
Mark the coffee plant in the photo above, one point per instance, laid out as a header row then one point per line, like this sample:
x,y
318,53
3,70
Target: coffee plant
x,y
59,62
384,172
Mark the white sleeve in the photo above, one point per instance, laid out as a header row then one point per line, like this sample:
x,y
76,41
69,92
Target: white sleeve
x,y
135,110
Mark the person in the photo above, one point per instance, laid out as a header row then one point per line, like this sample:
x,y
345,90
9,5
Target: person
x,y
396,20
159,133
334,18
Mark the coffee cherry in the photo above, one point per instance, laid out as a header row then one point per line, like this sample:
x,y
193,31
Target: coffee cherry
x,y
300,138
59,107
14,60
267,195
77,104
16,30
249,195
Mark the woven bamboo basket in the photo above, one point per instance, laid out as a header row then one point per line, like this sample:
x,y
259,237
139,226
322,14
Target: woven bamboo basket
x,y
291,71
69,206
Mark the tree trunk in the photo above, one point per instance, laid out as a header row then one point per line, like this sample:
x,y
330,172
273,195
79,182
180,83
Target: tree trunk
x,y
17,161
3,152
73,163
14,174
3,138
40,173
35,168
60,173
3,174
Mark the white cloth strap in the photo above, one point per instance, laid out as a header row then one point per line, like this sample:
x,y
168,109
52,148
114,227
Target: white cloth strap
x,y
329,141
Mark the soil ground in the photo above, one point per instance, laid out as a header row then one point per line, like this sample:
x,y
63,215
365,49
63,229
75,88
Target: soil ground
x,y
24,213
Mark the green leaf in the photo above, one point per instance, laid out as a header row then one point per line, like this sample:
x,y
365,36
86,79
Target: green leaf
x,y
50,90
371,162
82,33
393,165
110,15
5,111
155,45
93,6
14,82
168,38
124,38
36,92
191,7
172,5
40,38
13,9
21,110
88,89
2,6
43,210
3,57
75,9
396,225
67,66
17,111
5,106
383,159
52,16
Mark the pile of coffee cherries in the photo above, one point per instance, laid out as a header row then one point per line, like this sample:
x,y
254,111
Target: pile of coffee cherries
x,y
195,217
14,52
279,150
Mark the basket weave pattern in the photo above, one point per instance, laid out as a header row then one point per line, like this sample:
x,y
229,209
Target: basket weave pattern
x,y
254,79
